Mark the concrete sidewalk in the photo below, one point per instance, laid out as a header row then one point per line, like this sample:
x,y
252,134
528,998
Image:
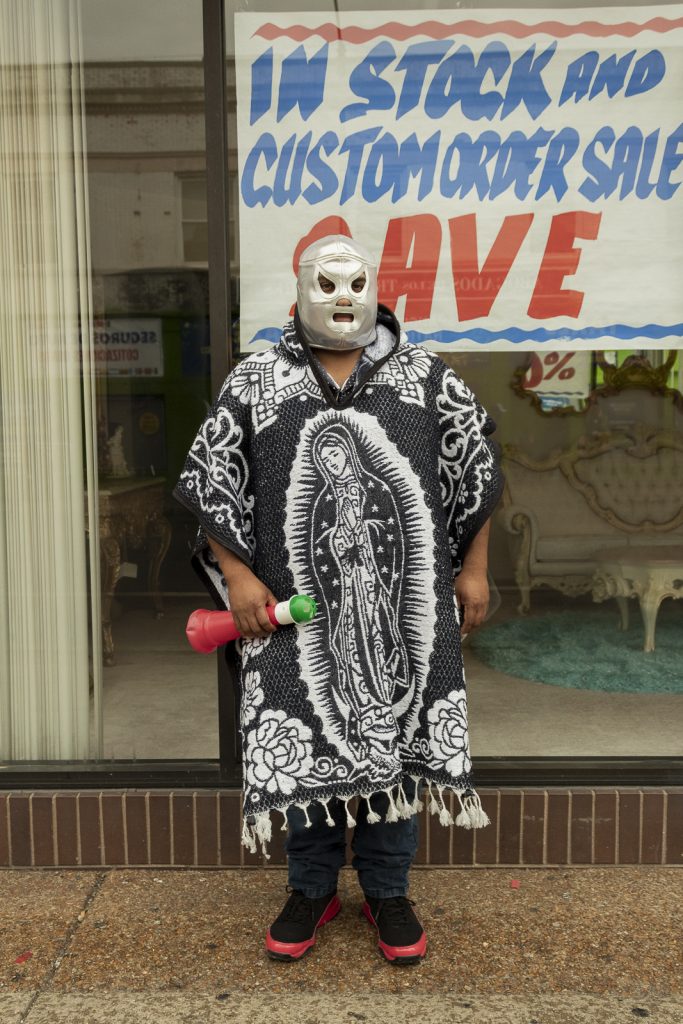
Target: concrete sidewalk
x,y
121,946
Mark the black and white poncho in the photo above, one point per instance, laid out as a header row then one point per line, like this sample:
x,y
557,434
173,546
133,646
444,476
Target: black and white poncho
x,y
365,498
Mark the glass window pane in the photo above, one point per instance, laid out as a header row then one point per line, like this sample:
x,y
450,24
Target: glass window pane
x,y
591,427
147,183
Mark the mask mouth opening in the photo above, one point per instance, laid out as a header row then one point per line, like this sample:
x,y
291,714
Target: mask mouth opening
x,y
343,318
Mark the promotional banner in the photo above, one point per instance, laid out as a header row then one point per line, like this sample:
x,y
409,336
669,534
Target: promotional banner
x,y
519,178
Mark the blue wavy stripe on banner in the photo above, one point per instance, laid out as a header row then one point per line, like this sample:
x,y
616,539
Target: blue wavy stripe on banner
x,y
480,336
516,335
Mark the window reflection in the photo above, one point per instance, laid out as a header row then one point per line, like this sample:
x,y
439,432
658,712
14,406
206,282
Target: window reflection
x,y
144,96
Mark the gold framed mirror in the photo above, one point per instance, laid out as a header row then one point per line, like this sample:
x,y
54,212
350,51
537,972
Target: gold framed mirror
x,y
569,383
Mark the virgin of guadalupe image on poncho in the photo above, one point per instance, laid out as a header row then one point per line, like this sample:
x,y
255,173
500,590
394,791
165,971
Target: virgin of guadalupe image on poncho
x,y
352,515
366,498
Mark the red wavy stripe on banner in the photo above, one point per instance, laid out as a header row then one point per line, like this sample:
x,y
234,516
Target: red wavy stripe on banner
x,y
475,29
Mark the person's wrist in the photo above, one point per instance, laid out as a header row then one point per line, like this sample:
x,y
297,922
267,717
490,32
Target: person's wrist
x,y
234,569
473,569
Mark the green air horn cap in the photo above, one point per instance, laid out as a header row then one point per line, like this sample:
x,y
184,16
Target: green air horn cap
x,y
302,608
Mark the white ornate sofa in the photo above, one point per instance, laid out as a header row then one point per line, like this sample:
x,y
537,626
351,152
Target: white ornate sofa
x,y
607,490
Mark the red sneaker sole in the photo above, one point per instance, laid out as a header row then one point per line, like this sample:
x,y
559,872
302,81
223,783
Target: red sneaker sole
x,y
295,950
398,955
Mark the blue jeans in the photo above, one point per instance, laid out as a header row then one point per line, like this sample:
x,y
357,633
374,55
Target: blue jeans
x,y
382,852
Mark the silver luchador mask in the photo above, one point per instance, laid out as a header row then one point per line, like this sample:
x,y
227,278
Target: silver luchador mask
x,y
337,294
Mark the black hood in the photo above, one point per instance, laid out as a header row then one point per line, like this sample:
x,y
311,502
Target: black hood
x,y
296,349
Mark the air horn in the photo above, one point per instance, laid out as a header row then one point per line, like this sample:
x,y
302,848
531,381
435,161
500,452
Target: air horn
x,y
206,630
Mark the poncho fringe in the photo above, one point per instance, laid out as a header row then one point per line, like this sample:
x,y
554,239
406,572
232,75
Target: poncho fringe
x,y
257,828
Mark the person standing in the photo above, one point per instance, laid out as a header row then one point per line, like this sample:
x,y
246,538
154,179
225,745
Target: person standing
x,y
349,465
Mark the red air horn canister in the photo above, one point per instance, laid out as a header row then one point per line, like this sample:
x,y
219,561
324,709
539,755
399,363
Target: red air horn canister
x,y
207,630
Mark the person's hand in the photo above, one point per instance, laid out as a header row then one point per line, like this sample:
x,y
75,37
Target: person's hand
x,y
248,599
472,591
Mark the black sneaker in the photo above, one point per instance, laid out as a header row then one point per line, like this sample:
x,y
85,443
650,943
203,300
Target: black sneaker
x,y
402,938
292,933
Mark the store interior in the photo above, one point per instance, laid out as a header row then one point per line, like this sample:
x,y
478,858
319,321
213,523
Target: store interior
x,y
559,678
161,701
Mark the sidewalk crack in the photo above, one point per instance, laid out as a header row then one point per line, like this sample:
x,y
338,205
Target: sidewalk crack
x,y
48,978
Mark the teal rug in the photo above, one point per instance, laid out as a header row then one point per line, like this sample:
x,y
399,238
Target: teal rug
x,y
586,650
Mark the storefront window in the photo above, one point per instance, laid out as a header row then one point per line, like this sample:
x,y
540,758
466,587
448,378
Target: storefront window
x,y
144,93
90,533
567,330
450,149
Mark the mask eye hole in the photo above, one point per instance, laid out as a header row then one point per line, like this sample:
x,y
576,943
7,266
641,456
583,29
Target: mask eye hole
x,y
359,283
326,285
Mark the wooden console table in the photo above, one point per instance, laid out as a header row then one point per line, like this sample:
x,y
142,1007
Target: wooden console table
x,y
131,514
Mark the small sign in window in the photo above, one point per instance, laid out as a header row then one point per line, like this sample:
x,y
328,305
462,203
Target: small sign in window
x,y
129,348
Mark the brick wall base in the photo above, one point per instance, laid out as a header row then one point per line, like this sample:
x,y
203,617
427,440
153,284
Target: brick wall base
x,y
201,828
